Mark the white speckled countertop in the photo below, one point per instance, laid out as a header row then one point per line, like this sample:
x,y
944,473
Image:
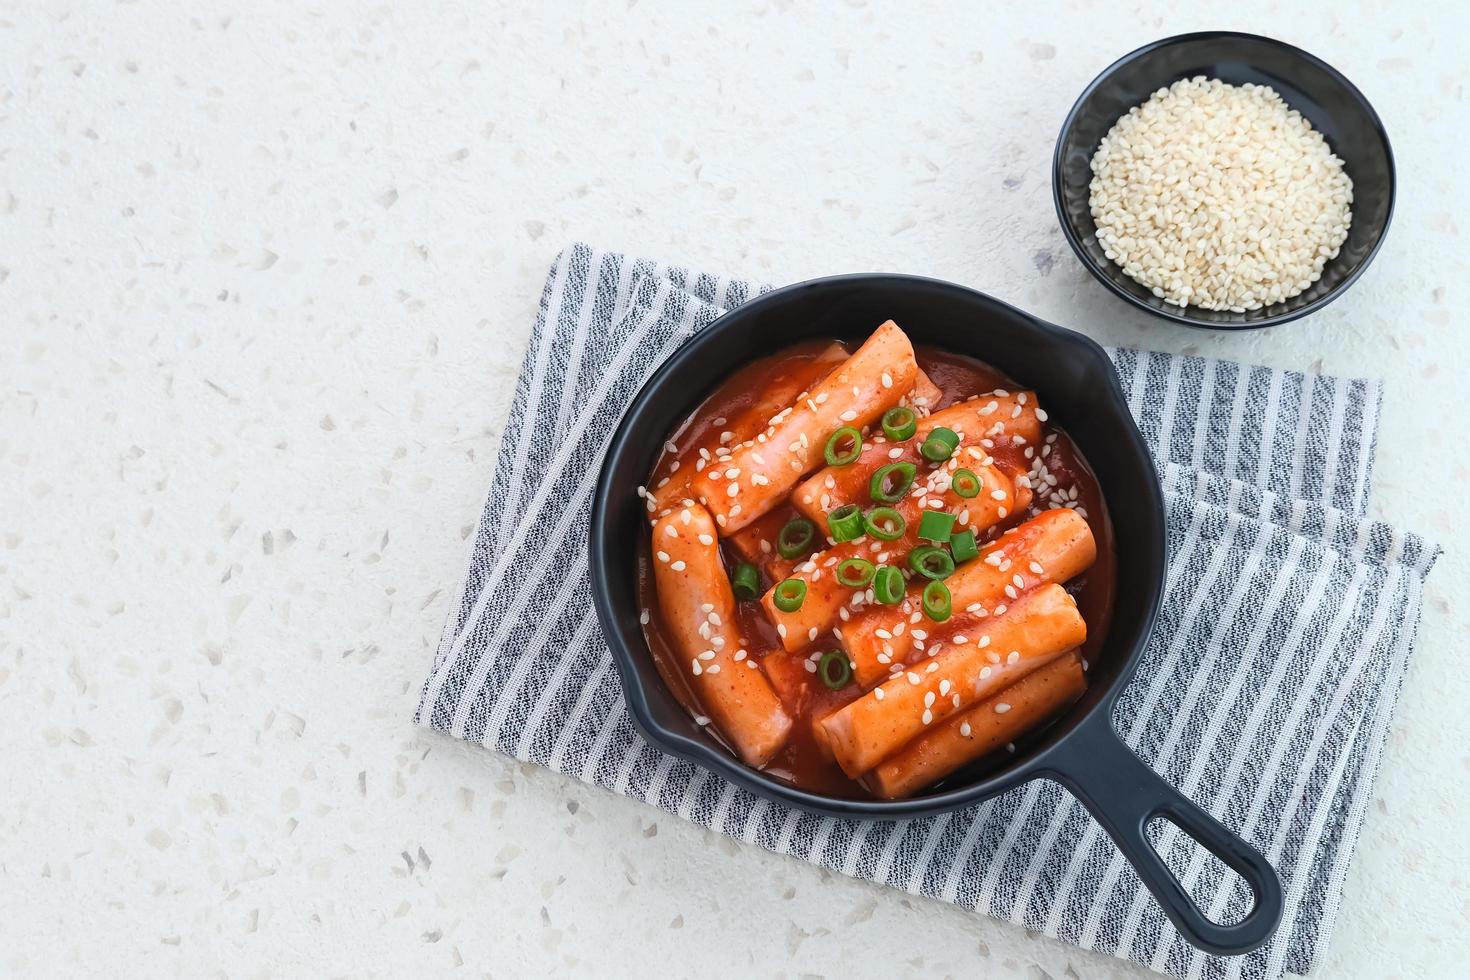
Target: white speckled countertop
x,y
266,274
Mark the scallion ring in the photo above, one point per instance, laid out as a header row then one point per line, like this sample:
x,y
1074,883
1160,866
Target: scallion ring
x,y
789,595
746,582
931,562
940,445
936,601
888,585
855,573
846,436
835,669
845,523
936,525
963,547
891,481
899,423
794,539
965,483
884,523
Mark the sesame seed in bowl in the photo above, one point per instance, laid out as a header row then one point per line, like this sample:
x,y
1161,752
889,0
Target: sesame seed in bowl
x,y
1224,180
1219,196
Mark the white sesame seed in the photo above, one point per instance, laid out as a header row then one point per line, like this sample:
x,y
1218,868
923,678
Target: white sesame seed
x,y
928,716
1035,568
643,617
887,380
848,415
781,630
811,634
914,678
877,694
714,668
679,565
997,495
706,540
928,698
1002,708
985,672
663,556
1041,416
695,667
965,729
732,489
944,686
1013,656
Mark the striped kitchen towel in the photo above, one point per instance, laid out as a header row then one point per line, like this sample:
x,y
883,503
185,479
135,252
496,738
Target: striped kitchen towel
x,y
1265,693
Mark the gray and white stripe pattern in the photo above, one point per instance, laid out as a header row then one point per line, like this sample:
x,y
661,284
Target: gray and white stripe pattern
x,y
1265,692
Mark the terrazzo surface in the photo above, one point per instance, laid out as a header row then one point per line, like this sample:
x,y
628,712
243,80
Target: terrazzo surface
x,y
267,272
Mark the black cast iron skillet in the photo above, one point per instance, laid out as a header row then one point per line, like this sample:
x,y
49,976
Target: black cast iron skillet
x,y
1075,381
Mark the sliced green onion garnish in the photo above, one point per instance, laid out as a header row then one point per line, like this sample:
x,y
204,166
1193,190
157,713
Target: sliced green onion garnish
x,y
940,445
891,481
884,523
795,537
936,525
846,436
888,585
931,562
965,483
746,582
789,595
936,601
834,669
899,423
846,522
855,572
963,546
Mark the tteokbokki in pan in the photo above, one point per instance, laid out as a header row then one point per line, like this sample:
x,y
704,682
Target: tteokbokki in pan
x,y
870,570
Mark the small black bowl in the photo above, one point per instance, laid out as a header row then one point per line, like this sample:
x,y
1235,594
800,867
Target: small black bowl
x,y
1075,379
1308,84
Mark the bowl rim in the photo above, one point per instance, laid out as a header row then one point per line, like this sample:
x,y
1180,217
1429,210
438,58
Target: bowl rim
x,y
1074,238
1044,759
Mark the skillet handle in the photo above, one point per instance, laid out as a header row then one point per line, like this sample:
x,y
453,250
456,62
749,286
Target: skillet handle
x,y
1124,795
